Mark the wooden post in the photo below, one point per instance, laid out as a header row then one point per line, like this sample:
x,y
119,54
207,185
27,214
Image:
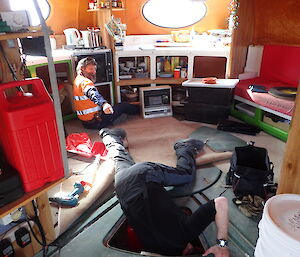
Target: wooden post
x,y
102,18
290,171
45,219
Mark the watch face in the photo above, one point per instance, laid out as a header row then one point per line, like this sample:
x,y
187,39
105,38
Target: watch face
x,y
222,242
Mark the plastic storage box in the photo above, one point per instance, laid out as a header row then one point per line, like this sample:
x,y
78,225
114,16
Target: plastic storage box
x,y
209,103
29,135
220,93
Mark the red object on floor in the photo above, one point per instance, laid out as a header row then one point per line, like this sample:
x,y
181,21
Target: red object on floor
x,y
81,144
134,244
29,133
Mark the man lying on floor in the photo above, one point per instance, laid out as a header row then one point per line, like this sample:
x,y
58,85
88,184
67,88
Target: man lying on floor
x,y
160,224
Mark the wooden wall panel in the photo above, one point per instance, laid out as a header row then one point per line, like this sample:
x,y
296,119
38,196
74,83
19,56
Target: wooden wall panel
x,y
69,14
277,21
216,18
242,37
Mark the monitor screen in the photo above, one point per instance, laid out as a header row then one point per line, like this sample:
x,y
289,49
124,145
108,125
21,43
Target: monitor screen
x,y
156,97
33,46
155,100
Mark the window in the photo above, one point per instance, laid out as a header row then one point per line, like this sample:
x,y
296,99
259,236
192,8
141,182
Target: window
x,y
174,13
28,5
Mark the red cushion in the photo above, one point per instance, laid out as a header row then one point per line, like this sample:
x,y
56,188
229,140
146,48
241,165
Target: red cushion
x,y
281,63
264,99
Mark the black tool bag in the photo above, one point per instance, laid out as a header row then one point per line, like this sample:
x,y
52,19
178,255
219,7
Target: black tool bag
x,y
10,183
250,172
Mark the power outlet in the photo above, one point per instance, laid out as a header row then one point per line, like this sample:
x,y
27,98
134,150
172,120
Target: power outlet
x,y
6,248
11,233
22,237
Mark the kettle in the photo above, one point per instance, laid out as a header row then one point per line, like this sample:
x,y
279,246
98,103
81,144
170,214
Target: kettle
x,y
72,36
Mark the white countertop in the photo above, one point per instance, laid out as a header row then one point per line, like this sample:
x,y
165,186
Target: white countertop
x,y
221,83
58,55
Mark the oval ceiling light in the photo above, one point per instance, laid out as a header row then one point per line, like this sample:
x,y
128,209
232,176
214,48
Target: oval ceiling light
x,y
174,13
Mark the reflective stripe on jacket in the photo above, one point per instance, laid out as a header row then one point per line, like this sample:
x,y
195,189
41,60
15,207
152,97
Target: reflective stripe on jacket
x,y
84,107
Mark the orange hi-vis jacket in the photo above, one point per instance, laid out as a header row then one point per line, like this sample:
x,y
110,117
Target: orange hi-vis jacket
x,y
85,108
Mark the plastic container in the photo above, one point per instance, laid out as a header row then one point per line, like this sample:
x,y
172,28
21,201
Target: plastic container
x,y
207,113
29,134
176,73
279,228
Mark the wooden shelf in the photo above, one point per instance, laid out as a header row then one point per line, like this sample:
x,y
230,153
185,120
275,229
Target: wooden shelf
x,y
132,82
27,197
20,35
117,9
97,10
128,82
169,81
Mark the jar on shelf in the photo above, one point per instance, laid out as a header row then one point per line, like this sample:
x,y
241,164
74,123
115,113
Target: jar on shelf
x,y
91,4
114,4
176,73
183,73
101,4
119,4
107,4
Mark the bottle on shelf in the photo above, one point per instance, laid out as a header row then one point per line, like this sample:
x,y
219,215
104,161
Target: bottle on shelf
x,y
159,66
91,4
114,4
167,64
119,4
101,4
107,4
176,73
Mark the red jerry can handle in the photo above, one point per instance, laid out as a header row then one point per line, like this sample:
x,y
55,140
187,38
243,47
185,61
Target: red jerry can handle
x,y
38,88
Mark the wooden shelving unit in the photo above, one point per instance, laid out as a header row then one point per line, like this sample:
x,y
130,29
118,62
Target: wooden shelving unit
x,y
20,35
106,9
134,81
117,9
27,197
98,10
169,81
40,195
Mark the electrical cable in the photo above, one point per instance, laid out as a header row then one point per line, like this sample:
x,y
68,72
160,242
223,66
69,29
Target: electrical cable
x,y
31,230
13,73
223,191
86,226
40,227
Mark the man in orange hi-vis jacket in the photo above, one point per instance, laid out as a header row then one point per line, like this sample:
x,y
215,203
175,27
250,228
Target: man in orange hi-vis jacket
x,y
91,107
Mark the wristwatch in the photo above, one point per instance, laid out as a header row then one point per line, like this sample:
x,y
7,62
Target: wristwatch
x,y
222,242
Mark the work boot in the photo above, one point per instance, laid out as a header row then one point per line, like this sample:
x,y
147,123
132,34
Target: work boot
x,y
195,144
119,132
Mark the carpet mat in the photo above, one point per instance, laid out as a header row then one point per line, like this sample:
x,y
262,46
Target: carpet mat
x,y
217,140
206,177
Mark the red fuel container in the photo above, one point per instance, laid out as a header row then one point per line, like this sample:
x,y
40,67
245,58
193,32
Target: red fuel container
x,y
28,134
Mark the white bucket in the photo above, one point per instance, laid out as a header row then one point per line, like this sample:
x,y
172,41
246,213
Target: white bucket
x,y
279,228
